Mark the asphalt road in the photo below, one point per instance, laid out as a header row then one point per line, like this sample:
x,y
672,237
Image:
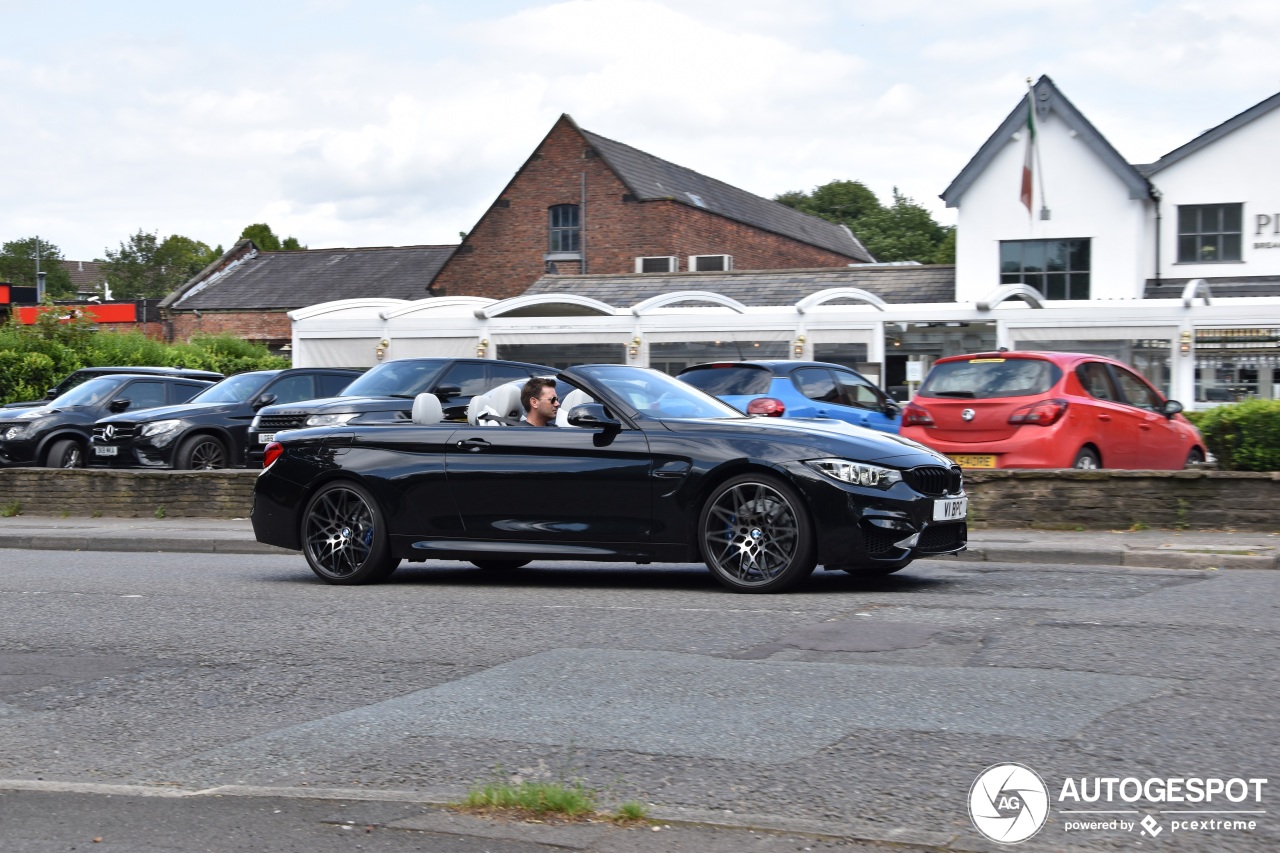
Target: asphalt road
x,y
849,709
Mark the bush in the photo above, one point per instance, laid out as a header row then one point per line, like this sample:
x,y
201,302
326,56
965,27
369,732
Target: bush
x,y
1243,436
35,358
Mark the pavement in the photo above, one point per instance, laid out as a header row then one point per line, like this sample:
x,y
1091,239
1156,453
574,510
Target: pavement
x,y
1168,549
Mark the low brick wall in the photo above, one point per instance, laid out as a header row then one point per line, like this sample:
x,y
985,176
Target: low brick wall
x,y
1062,500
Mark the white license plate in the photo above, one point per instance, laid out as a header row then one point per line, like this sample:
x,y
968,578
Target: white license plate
x,y
950,509
266,437
106,450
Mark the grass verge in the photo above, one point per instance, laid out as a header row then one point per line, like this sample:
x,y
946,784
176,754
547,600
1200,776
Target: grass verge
x,y
545,800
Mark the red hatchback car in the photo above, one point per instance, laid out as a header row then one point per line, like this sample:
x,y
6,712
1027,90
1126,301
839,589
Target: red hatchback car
x,y
1048,410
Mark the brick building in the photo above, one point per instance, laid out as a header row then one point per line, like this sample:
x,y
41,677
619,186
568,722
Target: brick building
x,y
248,292
582,203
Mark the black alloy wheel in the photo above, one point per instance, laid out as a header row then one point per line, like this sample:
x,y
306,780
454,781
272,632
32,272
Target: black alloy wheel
x,y
344,537
66,453
756,535
203,453
500,565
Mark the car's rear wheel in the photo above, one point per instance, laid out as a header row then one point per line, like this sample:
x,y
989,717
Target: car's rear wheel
x,y
66,453
1194,458
344,537
202,452
1087,460
756,535
500,565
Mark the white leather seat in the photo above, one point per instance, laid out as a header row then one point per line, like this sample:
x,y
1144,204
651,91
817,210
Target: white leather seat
x,y
496,407
576,397
427,409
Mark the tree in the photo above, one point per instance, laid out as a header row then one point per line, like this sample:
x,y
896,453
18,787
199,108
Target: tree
x,y
904,231
18,267
266,240
145,267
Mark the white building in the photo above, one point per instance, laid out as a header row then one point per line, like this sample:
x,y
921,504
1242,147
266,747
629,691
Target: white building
x,y
1172,266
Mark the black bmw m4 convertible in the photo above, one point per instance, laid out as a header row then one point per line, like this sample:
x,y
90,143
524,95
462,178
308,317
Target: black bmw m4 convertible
x,y
641,468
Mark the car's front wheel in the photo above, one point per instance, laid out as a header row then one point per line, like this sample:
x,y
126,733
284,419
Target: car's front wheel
x,y
201,452
756,535
344,537
67,453
1195,458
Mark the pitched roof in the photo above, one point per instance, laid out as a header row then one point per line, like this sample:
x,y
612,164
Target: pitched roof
x,y
1221,288
1211,136
86,276
1047,99
651,178
901,284
245,279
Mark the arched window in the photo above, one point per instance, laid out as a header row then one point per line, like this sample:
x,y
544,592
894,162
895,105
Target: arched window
x,y
565,229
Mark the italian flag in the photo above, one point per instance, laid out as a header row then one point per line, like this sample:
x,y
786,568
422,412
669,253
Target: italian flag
x,y
1031,143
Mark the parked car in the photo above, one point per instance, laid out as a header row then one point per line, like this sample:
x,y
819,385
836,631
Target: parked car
x,y
1048,410
797,389
386,393
56,434
84,374
648,469
209,430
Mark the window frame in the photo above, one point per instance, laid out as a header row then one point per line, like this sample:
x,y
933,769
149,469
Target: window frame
x,y
562,237
1076,282
1192,243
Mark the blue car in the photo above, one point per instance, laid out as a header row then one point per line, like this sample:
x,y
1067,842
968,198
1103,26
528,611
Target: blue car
x,y
797,389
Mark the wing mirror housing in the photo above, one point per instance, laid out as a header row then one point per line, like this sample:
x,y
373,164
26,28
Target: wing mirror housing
x,y
1171,408
447,392
892,409
593,416
51,394
119,405
264,400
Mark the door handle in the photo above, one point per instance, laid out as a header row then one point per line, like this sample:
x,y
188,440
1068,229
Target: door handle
x,y
1106,418
474,444
1144,426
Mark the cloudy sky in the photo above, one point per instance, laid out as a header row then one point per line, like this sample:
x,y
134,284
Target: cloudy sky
x,y
393,122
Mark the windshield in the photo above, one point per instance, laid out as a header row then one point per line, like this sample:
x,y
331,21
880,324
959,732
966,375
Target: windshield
x,y
986,378
396,378
234,389
91,393
729,380
657,395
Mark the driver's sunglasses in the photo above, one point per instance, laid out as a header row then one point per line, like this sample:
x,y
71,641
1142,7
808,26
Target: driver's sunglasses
x,y
553,400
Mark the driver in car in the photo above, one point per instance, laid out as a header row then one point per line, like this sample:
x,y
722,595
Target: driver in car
x,y
540,402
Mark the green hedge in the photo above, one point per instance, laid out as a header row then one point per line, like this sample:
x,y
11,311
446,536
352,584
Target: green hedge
x,y
35,358
1243,436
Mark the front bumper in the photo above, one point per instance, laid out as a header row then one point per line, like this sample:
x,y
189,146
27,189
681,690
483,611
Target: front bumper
x,y
129,454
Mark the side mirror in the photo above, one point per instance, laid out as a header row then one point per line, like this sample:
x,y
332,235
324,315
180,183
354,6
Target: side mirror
x,y
892,409
592,416
119,405
51,394
264,400
446,392
1171,408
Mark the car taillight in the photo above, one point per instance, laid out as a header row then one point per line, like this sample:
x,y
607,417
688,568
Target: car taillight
x,y
913,415
768,406
1044,413
271,454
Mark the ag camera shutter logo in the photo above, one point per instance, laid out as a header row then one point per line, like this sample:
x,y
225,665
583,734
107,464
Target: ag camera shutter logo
x,y
1008,803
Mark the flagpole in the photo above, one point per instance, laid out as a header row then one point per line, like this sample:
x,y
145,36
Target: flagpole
x,y
1044,199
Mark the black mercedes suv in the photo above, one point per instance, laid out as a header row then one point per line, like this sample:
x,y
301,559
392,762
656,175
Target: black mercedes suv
x,y
386,392
56,434
208,431
84,374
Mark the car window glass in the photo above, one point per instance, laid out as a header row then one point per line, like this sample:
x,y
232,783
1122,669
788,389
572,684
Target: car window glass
x,y
396,378
184,391
293,388
656,394
1136,392
234,389
332,384
499,373
816,384
470,377
858,391
729,380
984,378
143,394
1096,380
91,392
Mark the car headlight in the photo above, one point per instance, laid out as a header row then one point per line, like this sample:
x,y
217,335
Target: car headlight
x,y
15,431
856,473
331,420
253,424
159,428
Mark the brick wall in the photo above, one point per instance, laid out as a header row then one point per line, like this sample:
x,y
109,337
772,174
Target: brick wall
x,y
260,326
503,254
1093,500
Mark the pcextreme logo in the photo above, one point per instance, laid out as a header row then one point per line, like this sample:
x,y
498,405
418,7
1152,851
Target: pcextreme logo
x,y
1009,803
